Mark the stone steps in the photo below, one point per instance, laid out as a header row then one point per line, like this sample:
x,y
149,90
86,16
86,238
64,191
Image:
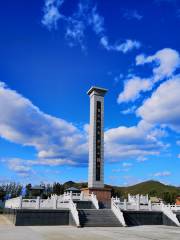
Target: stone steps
x,y
98,218
84,204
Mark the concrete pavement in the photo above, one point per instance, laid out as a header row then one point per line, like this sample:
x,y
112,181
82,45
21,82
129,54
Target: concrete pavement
x,y
10,232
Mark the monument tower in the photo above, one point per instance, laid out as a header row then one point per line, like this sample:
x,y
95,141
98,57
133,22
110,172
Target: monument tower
x,y
96,146
96,138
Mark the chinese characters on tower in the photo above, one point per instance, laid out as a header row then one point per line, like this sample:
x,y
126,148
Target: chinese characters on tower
x,y
98,141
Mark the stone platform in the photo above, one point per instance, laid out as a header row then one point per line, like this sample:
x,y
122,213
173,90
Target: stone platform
x,y
103,195
39,217
88,217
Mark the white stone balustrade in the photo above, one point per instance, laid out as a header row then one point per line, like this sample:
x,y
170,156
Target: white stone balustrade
x,y
14,203
94,200
54,202
74,212
125,205
117,211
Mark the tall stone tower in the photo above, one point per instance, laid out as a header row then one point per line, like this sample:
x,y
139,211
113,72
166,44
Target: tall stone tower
x,y
96,148
96,138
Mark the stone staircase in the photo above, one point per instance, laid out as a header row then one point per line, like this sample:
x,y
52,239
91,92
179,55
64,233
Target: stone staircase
x,y
84,204
98,218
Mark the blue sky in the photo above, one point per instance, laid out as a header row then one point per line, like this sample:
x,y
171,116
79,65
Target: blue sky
x,y
52,52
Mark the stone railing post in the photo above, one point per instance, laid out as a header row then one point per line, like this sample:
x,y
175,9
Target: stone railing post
x,y
71,196
149,205
38,203
175,207
138,202
147,197
81,196
55,202
125,204
20,202
162,206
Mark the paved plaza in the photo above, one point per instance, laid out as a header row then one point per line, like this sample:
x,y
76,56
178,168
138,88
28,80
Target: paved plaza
x,y
10,232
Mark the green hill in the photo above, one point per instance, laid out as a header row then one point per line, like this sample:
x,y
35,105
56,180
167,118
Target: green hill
x,y
154,188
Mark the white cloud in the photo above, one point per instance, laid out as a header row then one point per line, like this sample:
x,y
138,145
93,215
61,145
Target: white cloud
x,y
129,110
162,174
24,167
96,21
132,89
165,61
162,107
132,14
51,13
85,16
16,165
123,47
126,164
178,142
59,142
141,159
128,45
23,123
131,142
75,33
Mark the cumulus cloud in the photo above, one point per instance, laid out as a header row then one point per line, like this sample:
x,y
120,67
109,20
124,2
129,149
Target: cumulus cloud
x,y
162,107
59,142
131,142
165,63
23,123
132,89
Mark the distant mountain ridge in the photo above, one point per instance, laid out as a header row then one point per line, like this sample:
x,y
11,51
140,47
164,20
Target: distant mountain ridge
x,y
151,187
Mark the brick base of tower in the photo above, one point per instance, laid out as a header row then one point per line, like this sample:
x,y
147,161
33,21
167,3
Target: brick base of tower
x,y
103,195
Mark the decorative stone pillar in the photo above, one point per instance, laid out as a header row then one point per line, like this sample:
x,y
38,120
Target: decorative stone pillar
x,y
125,204
138,202
38,203
149,205
20,202
55,202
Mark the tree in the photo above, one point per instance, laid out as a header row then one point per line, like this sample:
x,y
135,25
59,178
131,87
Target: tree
x,y
28,188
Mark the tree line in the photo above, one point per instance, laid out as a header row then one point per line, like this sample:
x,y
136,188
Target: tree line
x,y
12,190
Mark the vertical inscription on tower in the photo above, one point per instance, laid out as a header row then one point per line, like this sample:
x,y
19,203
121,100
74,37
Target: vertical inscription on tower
x,y
98,141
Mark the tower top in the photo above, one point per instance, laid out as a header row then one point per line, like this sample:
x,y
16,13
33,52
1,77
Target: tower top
x,y
97,90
